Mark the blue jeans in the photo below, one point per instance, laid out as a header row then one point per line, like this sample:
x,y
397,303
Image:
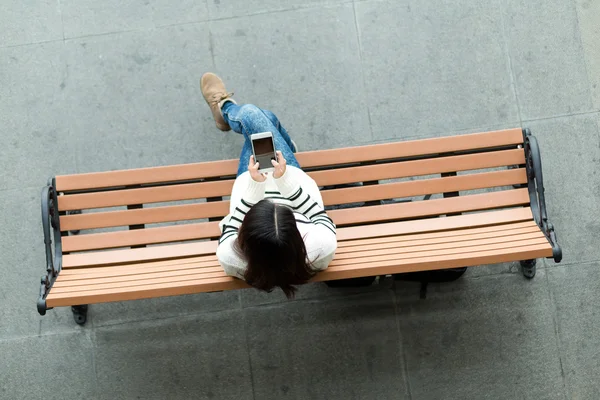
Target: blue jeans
x,y
248,119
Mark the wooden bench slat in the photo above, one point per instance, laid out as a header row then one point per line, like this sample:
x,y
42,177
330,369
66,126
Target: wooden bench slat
x,y
117,274
145,292
424,186
494,218
204,260
124,271
167,278
333,272
430,166
412,148
394,254
210,263
386,212
192,231
343,246
160,194
438,262
191,191
172,251
385,229
420,251
150,215
130,284
462,234
435,224
308,159
415,246
139,176
330,197
165,234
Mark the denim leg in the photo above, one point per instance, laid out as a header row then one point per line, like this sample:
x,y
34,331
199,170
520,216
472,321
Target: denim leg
x,y
281,129
248,119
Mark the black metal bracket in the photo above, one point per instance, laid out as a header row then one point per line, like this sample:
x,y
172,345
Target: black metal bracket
x,y
535,186
80,314
51,227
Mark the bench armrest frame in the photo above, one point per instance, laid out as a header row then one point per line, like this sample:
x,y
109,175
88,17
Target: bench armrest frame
x,y
535,185
51,227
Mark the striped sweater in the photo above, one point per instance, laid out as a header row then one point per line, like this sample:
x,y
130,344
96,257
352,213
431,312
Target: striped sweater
x,y
294,189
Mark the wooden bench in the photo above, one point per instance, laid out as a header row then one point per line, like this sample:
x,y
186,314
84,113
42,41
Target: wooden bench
x,y
135,245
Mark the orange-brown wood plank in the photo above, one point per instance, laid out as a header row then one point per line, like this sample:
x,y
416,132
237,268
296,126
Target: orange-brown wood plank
x,y
144,216
173,251
333,272
434,250
172,173
330,197
429,166
309,159
343,246
166,234
145,292
435,224
456,238
424,186
450,235
388,212
328,177
416,246
150,280
119,272
361,232
148,195
117,275
433,263
412,148
201,261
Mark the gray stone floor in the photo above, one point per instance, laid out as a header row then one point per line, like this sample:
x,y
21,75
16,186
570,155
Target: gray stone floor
x,y
89,85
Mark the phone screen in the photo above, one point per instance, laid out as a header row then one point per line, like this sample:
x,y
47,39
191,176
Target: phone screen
x,y
264,152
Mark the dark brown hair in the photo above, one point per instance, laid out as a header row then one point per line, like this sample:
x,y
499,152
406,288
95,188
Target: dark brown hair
x,y
273,248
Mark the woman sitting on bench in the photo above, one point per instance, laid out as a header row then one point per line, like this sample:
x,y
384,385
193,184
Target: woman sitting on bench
x,y
277,233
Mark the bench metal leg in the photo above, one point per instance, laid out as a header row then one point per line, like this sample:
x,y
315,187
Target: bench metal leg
x,y
535,184
80,314
529,268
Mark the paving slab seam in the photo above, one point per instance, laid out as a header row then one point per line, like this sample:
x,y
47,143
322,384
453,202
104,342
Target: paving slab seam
x,y
247,342
31,43
81,331
403,360
513,82
314,299
562,116
166,318
203,21
62,22
581,45
297,8
362,69
92,35
433,134
571,264
557,336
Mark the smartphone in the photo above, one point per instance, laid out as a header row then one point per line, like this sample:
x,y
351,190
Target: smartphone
x,y
263,149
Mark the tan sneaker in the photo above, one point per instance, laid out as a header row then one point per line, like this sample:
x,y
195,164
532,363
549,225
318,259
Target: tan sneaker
x,y
215,94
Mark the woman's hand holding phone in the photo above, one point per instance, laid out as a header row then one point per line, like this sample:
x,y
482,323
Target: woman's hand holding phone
x,y
279,165
253,169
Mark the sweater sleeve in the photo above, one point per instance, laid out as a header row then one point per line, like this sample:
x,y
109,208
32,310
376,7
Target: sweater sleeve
x,y
303,203
230,225
320,240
